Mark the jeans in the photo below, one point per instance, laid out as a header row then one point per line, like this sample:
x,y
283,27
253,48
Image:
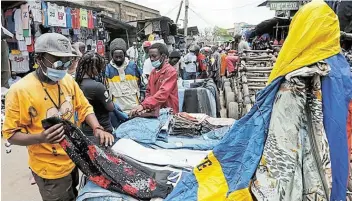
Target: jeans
x,y
189,76
117,117
204,142
144,130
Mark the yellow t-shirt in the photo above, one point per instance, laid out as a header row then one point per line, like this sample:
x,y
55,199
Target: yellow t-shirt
x,y
27,105
84,17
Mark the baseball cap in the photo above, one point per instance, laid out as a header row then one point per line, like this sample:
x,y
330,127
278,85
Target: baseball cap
x,y
54,44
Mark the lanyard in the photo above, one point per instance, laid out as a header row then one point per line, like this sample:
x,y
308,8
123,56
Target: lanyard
x,y
51,99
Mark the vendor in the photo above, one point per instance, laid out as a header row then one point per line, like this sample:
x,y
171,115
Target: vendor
x,y
124,77
49,92
162,91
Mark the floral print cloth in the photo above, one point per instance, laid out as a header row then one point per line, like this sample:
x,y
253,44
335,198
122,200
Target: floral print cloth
x,y
107,169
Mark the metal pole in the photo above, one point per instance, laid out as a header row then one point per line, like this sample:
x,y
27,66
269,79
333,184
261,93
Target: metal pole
x,y
179,12
186,17
128,39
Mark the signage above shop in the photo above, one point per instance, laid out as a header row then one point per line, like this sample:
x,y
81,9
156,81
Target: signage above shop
x,y
284,5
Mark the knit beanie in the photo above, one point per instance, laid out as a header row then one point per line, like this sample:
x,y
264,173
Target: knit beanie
x,y
118,44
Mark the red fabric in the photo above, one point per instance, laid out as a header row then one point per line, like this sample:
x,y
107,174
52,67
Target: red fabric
x,y
30,48
75,15
100,47
231,63
349,129
162,91
90,20
201,61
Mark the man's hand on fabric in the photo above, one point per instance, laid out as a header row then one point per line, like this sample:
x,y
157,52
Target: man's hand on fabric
x,y
136,111
53,134
105,137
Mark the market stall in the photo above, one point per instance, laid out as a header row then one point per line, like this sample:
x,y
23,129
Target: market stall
x,y
156,29
28,20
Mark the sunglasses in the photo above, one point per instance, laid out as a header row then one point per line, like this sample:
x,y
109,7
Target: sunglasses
x,y
59,64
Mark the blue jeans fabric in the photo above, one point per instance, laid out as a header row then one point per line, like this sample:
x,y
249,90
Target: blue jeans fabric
x,y
189,76
181,98
205,142
117,117
144,130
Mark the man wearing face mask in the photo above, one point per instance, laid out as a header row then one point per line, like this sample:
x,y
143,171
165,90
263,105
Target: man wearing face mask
x,y
45,93
124,77
162,91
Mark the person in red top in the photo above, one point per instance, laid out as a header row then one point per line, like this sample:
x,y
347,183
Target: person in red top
x,y
162,90
202,63
231,61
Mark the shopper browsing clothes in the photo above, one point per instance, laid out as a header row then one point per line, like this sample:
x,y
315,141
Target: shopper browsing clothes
x,y
124,77
49,92
91,79
162,91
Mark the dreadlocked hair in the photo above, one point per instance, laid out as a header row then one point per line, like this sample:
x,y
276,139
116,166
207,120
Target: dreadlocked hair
x,y
93,65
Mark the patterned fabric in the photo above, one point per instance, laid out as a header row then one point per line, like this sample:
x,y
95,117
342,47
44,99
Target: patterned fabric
x,y
295,164
107,169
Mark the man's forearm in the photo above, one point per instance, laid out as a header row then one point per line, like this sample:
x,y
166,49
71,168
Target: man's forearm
x,y
92,121
23,139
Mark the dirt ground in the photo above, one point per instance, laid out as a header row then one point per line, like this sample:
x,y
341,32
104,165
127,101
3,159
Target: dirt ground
x,y
15,185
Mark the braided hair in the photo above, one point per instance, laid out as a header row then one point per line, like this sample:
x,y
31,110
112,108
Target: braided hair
x,y
93,65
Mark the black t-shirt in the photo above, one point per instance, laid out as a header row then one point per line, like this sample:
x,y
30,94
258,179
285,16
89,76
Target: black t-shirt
x,y
98,97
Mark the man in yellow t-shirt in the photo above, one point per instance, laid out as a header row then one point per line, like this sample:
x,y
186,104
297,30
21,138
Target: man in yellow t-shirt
x,y
48,92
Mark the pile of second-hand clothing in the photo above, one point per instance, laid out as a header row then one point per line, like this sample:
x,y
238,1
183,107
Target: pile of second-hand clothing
x,y
195,124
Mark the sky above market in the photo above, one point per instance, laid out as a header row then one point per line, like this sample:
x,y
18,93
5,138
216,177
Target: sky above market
x,y
222,13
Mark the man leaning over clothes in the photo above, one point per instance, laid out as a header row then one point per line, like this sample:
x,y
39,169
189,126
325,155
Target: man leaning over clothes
x,y
162,91
124,77
47,92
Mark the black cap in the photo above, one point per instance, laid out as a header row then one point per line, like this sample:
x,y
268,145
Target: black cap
x,y
175,54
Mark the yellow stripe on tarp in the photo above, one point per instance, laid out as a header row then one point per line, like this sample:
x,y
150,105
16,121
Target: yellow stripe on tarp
x,y
212,185
128,78
240,195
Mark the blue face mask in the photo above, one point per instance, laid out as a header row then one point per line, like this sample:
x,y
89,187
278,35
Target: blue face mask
x,y
54,74
156,64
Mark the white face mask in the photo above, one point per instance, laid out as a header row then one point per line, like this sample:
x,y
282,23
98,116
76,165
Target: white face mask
x,y
53,74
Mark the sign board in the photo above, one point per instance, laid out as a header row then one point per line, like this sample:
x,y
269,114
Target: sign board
x,y
284,5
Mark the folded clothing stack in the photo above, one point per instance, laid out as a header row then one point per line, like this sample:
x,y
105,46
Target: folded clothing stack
x,y
195,124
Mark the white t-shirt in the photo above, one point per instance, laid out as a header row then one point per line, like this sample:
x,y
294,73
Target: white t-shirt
x,y
61,17
18,24
52,14
190,63
147,67
36,7
22,46
25,16
19,62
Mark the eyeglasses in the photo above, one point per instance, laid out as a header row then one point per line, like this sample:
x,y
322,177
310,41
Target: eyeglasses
x,y
59,64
